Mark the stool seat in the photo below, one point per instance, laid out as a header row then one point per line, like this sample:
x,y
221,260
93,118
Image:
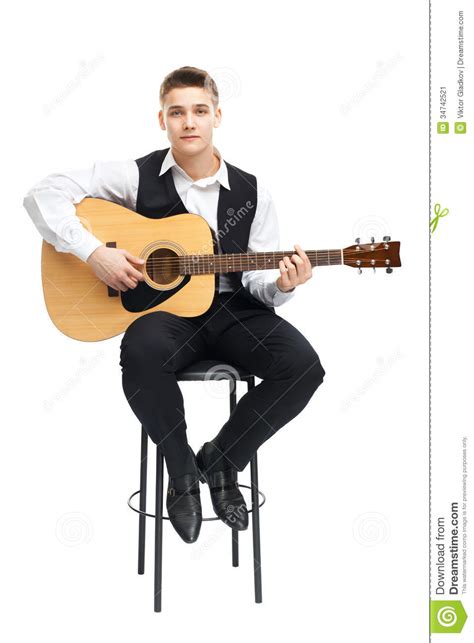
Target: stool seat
x,y
212,369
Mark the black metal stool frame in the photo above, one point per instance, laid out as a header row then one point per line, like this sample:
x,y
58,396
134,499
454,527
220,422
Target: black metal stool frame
x,y
199,371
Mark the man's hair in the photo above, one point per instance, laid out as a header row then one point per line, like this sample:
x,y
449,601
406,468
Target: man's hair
x,y
189,77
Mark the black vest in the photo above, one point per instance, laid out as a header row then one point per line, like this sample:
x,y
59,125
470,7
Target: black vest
x,y
157,198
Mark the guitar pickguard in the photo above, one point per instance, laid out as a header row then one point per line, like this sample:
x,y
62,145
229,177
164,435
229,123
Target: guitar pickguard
x,y
143,297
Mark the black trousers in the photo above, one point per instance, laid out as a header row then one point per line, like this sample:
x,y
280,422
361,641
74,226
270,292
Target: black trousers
x,y
236,329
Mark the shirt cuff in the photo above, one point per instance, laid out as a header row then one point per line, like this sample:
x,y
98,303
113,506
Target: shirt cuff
x,y
85,248
278,296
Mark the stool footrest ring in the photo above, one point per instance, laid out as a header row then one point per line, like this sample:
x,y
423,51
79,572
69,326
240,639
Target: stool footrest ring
x,y
144,513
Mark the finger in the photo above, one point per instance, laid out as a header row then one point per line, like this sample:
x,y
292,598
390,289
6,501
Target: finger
x,y
300,251
304,256
300,266
136,260
292,274
128,282
133,272
297,259
128,255
285,282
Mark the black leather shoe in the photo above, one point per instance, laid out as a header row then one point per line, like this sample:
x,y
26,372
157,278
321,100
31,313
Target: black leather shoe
x,y
183,503
227,500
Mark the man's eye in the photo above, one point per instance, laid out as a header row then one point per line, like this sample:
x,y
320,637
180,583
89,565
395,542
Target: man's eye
x,y
174,112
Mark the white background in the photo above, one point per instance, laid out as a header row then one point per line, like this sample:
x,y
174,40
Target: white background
x,y
328,105
452,311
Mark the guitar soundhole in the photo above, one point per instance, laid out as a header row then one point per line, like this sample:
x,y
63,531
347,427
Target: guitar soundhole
x,y
163,266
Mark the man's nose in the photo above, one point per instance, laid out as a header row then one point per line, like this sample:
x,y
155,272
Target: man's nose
x,y
189,120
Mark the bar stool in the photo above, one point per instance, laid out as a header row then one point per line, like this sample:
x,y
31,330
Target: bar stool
x,y
203,370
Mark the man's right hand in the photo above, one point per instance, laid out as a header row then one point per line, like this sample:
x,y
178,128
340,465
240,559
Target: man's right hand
x,y
115,267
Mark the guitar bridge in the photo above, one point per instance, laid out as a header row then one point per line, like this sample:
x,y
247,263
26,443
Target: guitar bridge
x,y
111,292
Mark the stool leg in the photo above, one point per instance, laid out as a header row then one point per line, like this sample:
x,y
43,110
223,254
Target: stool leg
x,y
235,532
158,528
142,518
257,562
235,548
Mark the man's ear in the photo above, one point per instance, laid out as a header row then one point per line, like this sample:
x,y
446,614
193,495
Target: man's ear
x,y
217,117
161,120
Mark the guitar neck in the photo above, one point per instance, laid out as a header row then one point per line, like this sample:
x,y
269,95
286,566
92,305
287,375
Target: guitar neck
x,y
230,262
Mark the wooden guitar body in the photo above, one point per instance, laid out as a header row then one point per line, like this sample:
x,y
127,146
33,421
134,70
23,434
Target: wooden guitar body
x,y
83,307
179,270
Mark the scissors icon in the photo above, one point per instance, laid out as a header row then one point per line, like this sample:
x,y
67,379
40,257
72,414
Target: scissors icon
x,y
439,213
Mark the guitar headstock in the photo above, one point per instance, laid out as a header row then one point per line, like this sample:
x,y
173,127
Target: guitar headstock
x,y
383,254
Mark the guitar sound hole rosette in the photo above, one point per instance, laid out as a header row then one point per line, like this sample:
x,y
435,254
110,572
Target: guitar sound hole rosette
x,y
162,265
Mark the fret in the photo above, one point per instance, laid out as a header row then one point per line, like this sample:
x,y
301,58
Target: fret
x,y
240,262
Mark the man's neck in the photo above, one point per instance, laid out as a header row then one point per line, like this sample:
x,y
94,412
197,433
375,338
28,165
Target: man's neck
x,y
199,166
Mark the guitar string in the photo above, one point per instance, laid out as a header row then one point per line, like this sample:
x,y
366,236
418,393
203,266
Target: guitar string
x,y
174,262
203,269
228,267
222,257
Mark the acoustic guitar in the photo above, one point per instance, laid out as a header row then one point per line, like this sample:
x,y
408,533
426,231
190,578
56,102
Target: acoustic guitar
x,y
179,269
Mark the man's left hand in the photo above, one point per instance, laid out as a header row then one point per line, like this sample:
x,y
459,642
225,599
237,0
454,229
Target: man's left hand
x,y
294,271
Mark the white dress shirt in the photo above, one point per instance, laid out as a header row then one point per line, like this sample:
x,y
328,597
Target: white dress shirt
x,y
51,206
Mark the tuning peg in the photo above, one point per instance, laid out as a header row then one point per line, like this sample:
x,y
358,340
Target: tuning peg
x,y
360,270
357,240
373,267
372,239
386,238
389,270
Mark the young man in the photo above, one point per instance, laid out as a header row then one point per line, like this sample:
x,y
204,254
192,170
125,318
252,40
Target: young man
x,y
241,326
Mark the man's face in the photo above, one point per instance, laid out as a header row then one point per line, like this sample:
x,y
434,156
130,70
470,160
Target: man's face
x,y
188,116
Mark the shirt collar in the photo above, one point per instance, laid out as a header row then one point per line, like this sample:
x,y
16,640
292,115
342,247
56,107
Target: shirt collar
x,y
221,175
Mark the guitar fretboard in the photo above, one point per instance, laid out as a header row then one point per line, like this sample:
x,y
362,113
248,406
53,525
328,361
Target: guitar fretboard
x,y
230,262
